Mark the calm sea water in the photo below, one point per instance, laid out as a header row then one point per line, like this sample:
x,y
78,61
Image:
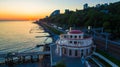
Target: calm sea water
x,y
19,36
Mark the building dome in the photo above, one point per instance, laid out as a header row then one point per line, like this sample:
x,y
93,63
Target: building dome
x,y
74,44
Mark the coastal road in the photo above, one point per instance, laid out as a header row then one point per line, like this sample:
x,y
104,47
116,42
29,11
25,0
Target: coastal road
x,y
113,49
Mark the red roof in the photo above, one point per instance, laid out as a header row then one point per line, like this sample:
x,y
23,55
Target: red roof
x,y
75,32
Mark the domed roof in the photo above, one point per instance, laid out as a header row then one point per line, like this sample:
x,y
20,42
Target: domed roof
x,y
75,32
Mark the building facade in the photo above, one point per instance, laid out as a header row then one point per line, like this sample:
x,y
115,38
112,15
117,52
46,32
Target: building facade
x,y
74,44
56,12
67,11
85,6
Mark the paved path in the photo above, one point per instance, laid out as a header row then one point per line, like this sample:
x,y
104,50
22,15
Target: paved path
x,y
108,61
98,63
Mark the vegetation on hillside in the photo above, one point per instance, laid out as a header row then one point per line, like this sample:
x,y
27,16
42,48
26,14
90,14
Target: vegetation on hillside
x,y
107,17
60,64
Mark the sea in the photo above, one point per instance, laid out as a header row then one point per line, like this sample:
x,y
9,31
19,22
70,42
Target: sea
x,y
21,36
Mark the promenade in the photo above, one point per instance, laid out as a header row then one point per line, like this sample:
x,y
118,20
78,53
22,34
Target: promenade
x,y
70,62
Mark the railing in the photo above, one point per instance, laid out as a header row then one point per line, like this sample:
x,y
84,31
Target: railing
x,y
78,43
15,54
100,38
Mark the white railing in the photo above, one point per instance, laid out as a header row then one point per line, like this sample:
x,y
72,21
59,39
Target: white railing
x,y
79,43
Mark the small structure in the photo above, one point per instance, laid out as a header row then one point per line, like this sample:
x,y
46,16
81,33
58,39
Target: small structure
x,y
85,6
67,11
75,44
98,6
56,12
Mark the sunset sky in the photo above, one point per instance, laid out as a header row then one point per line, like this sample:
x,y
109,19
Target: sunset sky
x,y
35,9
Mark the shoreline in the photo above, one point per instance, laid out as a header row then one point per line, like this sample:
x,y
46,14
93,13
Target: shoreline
x,y
98,52
42,59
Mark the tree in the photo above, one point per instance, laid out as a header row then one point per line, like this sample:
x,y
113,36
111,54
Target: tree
x,y
106,25
60,64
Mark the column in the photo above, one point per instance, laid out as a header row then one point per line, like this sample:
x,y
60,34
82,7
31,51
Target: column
x,y
60,51
73,52
88,51
79,52
57,50
84,52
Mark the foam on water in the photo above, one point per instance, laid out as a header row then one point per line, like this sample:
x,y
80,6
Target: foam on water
x,y
20,36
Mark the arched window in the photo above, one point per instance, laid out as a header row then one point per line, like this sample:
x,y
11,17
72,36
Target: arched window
x,y
75,42
81,53
70,36
70,52
79,36
76,52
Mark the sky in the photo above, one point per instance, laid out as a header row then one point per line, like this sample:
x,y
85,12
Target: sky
x,y
36,9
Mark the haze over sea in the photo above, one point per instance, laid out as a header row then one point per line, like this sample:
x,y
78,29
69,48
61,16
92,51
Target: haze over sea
x,y
20,36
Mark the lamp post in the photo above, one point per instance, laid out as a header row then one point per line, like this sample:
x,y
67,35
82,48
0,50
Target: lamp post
x,y
106,41
89,27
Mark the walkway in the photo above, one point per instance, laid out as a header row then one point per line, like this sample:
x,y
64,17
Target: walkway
x,y
108,61
97,62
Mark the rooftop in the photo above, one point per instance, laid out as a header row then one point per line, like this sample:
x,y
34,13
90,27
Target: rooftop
x,y
75,32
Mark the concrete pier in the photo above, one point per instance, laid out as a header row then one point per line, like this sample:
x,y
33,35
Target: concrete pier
x,y
22,57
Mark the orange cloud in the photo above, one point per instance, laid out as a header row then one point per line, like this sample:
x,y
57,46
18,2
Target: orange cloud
x,y
13,16
20,17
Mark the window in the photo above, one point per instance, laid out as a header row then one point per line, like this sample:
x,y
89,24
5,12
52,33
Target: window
x,y
65,36
75,42
70,42
79,36
75,36
70,52
64,50
71,36
76,53
87,52
81,53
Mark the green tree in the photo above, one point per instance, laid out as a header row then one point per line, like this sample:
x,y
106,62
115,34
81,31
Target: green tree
x,y
106,26
60,64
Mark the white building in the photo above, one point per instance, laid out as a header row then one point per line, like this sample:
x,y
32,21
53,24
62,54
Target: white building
x,y
56,12
85,6
74,44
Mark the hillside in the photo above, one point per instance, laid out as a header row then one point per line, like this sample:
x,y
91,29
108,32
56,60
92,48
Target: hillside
x,y
107,17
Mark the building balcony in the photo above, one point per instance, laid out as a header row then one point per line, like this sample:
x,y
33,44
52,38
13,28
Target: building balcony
x,y
74,36
75,42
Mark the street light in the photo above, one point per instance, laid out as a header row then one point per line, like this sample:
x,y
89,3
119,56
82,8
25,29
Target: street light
x,y
106,40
